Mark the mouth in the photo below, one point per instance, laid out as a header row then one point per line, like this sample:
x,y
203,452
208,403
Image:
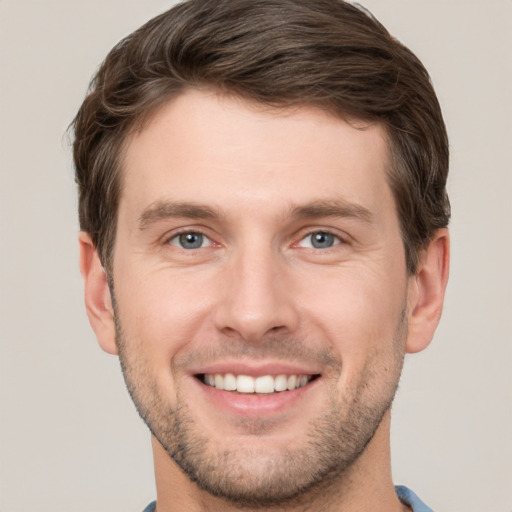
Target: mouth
x,y
256,390
259,385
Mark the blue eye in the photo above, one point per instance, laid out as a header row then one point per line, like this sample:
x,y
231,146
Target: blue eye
x,y
319,240
190,240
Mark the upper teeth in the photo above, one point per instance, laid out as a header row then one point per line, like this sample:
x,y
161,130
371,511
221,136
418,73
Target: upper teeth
x,y
262,384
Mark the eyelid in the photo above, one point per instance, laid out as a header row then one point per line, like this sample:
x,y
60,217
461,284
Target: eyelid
x,y
206,242
341,237
337,240
174,234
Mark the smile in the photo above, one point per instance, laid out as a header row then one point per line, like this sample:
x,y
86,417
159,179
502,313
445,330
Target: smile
x,y
264,384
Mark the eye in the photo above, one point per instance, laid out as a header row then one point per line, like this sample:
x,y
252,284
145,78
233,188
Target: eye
x,y
319,240
190,240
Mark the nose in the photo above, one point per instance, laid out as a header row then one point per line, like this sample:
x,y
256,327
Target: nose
x,y
256,297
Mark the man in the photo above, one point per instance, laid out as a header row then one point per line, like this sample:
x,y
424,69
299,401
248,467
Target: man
x,y
263,215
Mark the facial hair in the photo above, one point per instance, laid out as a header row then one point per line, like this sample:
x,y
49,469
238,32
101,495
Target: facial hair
x,y
252,476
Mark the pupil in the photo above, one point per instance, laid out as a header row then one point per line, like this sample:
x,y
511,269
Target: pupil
x,y
191,240
322,240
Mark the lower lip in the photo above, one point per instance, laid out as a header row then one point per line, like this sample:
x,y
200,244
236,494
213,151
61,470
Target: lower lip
x,y
251,404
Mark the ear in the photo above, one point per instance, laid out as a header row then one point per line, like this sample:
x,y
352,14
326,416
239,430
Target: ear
x,y
98,302
426,292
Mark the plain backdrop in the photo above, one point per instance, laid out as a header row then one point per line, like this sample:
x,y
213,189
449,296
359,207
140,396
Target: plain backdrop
x,y
70,439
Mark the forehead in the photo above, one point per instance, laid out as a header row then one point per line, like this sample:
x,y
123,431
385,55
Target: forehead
x,y
227,152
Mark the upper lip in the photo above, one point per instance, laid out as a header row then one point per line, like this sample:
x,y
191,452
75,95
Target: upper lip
x,y
256,369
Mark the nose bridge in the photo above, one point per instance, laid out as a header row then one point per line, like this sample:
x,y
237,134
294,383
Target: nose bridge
x,y
256,299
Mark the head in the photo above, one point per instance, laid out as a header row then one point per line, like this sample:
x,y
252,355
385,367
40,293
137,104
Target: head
x,y
263,184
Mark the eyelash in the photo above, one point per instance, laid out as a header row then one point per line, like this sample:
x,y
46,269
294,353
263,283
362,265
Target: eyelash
x,y
337,240
184,233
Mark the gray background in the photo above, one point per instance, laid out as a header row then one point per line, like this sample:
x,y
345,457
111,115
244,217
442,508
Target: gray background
x,y
70,439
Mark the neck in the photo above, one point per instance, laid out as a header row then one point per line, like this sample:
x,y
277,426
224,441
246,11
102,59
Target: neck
x,y
367,485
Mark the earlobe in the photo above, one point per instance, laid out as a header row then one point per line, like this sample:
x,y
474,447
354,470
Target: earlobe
x,y
98,301
426,292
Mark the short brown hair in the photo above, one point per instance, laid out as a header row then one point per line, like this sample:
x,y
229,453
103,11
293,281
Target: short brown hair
x,y
325,53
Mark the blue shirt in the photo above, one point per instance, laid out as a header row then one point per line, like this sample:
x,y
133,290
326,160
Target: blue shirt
x,y
408,497
404,494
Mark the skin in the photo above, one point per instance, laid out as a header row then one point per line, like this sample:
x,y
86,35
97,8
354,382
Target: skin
x,y
257,297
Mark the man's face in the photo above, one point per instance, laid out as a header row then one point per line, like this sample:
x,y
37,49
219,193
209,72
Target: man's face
x,y
259,249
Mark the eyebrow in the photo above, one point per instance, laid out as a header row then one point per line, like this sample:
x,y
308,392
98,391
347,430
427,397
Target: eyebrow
x,y
332,208
162,210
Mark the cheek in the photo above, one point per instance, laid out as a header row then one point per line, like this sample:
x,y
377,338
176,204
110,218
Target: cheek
x,y
162,313
357,310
